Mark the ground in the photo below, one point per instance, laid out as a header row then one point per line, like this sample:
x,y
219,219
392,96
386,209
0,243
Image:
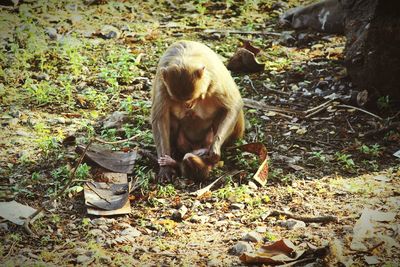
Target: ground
x,y
67,65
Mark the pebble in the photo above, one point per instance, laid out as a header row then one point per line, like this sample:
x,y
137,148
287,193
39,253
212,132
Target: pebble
x,y
83,259
131,232
52,33
99,221
238,206
293,224
261,229
252,237
241,247
200,219
96,232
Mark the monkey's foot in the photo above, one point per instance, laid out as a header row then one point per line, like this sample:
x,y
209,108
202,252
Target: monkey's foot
x,y
167,161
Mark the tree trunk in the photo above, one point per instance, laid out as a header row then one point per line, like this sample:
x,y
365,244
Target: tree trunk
x,y
373,46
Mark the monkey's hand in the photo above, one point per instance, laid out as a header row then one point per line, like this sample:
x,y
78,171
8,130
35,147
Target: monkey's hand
x,y
167,161
214,154
165,174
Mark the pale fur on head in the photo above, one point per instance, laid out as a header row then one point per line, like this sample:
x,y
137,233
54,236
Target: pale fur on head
x,y
186,82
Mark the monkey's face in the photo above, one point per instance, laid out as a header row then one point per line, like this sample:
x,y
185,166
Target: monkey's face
x,y
185,84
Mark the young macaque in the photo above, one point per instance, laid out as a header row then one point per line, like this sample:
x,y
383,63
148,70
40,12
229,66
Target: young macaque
x,y
195,164
193,92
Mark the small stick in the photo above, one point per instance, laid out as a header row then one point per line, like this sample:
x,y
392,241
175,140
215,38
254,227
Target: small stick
x,y
320,219
274,90
116,142
360,109
351,128
240,32
200,192
319,106
67,185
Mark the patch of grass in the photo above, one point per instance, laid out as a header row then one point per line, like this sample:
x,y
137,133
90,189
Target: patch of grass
x,y
373,151
345,161
166,191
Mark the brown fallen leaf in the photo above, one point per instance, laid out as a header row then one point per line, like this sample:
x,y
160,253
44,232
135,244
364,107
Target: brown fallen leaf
x,y
260,150
111,160
244,59
282,251
255,148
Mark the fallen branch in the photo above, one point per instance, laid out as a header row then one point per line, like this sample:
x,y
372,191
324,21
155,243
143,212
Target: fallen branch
x,y
319,219
262,106
360,109
225,31
116,142
66,186
315,110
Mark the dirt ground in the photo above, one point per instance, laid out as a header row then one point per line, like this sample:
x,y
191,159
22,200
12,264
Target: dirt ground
x,y
67,66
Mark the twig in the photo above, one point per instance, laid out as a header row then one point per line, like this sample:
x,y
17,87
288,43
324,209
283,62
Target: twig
x,y
351,128
116,142
311,112
275,91
200,192
251,103
66,186
319,106
10,250
360,109
240,32
320,219
247,78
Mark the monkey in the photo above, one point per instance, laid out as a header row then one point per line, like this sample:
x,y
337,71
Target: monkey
x,y
195,164
193,91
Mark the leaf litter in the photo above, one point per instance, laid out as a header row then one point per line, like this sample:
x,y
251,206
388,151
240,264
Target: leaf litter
x,y
337,176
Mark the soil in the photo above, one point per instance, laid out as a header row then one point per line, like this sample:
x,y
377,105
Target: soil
x,y
68,65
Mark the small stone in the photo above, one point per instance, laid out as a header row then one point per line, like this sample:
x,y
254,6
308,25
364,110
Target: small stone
x,y
261,229
252,237
240,248
293,224
4,226
104,259
52,33
178,215
131,232
110,32
371,260
83,259
96,232
99,221
200,219
238,206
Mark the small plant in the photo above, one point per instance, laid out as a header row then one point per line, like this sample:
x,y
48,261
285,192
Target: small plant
x,y
166,191
345,160
82,172
318,155
383,102
374,150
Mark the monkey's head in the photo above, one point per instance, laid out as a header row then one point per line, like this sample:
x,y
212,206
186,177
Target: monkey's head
x,y
194,167
185,82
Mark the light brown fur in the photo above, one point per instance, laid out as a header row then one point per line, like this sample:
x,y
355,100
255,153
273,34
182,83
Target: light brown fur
x,y
194,91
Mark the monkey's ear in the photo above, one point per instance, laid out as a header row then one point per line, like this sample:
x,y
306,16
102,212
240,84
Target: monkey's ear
x,y
200,71
164,73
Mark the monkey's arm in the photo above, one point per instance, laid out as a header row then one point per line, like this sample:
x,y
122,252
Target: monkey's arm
x,y
160,121
227,122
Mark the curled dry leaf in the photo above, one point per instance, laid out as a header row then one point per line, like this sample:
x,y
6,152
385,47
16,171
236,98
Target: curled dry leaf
x,y
282,251
260,150
244,59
